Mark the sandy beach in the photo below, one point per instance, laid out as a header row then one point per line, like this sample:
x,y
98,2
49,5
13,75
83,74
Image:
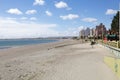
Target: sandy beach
x,y
64,60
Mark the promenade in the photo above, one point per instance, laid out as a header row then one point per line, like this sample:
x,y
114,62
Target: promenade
x,y
63,61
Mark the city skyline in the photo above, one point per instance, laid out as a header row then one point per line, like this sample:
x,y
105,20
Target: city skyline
x,y
45,18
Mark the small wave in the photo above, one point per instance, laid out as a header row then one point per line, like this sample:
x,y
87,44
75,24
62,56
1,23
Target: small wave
x,y
5,47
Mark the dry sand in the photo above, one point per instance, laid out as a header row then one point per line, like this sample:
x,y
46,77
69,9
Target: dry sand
x,y
65,60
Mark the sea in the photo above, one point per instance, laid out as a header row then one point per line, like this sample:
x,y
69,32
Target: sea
x,y
8,43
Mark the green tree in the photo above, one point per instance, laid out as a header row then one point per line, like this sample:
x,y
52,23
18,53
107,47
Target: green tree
x,y
115,23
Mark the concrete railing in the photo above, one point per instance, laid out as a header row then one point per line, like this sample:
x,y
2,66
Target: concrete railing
x,y
115,51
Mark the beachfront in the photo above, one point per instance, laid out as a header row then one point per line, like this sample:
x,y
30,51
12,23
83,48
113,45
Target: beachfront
x,y
65,60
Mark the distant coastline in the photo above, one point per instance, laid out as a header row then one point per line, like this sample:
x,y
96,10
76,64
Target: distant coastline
x,y
66,37
8,43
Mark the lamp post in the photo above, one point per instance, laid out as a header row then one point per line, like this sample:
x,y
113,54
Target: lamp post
x,y
102,33
119,21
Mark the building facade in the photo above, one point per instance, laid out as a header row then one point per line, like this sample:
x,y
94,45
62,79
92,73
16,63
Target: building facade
x,y
100,31
87,32
92,32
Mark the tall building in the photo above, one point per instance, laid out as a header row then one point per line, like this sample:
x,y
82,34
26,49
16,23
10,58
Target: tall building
x,y
100,30
82,33
92,32
87,32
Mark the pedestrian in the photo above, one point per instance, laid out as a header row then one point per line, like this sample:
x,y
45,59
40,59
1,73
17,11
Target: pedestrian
x,y
92,43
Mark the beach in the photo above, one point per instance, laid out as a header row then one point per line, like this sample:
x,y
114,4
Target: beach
x,y
63,60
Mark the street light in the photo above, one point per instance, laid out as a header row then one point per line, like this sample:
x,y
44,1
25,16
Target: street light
x,y
102,33
119,21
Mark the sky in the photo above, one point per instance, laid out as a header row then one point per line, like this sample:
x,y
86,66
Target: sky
x,y
53,18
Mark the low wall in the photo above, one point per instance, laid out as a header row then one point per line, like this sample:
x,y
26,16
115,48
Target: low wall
x,y
115,51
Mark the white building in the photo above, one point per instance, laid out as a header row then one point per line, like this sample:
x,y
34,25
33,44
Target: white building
x,y
87,32
92,32
82,33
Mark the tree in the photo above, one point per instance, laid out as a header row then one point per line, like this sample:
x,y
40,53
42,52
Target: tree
x,y
115,23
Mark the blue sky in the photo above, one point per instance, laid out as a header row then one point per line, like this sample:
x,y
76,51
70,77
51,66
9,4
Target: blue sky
x,y
43,18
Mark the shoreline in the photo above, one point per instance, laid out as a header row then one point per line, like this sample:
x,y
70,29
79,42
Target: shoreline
x,y
37,47
13,46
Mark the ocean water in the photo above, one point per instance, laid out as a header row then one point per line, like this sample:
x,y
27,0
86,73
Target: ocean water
x,y
19,42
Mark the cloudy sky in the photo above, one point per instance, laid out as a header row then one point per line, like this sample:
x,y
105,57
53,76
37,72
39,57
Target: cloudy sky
x,y
43,18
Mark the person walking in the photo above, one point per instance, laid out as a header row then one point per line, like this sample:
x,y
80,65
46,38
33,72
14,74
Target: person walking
x,y
92,43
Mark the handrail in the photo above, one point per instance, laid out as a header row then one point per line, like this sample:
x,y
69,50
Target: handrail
x,y
116,51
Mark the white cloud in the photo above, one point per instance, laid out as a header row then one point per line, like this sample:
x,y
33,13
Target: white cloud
x,y
110,12
23,18
10,28
15,29
33,18
72,31
39,2
48,13
89,19
10,18
14,11
7,21
69,8
28,19
62,4
31,11
69,16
